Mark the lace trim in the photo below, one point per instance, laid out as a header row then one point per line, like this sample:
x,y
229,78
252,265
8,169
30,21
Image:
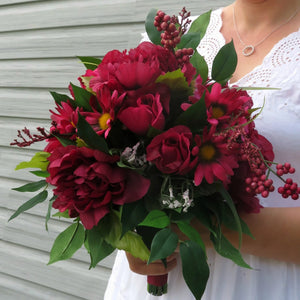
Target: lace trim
x,y
286,51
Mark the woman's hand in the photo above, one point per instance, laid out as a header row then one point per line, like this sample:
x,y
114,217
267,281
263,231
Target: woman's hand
x,y
155,268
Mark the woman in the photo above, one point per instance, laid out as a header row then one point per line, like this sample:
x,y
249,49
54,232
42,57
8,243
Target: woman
x,y
267,40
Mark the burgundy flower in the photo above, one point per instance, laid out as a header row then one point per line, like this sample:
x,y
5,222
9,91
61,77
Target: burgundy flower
x,y
148,111
224,104
171,151
88,182
216,162
244,201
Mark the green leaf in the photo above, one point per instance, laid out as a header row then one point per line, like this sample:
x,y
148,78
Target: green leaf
x,y
49,211
189,40
164,244
31,187
87,133
200,24
91,63
39,160
200,64
58,98
42,196
231,205
156,219
82,97
67,243
191,233
224,63
195,116
133,243
226,249
195,269
132,214
175,80
152,32
62,214
40,173
229,222
110,228
65,142
97,246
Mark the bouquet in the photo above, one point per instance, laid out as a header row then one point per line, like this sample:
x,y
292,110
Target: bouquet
x,y
147,140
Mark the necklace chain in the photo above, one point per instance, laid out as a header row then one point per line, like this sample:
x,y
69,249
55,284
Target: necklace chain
x,y
249,49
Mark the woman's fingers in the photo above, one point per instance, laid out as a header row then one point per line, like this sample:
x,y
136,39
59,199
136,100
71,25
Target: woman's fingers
x,y
155,268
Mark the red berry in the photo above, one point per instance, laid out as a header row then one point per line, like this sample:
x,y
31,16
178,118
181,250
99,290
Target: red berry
x,y
292,170
289,181
280,172
287,165
279,166
281,190
295,196
166,18
265,194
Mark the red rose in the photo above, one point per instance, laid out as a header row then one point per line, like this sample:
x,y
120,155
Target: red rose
x,y
148,111
88,182
170,151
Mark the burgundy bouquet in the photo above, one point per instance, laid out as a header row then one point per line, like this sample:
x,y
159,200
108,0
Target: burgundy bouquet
x,y
147,140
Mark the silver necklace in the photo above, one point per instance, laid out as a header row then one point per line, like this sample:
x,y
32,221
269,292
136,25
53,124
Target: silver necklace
x,y
249,49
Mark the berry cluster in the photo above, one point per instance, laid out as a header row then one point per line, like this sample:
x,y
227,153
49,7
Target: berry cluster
x,y
171,28
259,185
284,169
183,55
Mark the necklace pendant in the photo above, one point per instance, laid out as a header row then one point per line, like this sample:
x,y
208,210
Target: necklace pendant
x,y
248,50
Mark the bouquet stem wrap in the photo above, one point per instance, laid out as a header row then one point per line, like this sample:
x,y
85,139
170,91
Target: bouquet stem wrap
x,y
157,285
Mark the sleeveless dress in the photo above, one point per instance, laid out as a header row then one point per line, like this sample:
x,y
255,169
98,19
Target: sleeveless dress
x,y
280,123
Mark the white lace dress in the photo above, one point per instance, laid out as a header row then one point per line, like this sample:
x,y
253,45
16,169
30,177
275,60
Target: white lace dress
x,y
280,123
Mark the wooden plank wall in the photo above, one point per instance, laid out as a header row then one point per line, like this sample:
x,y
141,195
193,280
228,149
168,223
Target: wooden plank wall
x,y
39,42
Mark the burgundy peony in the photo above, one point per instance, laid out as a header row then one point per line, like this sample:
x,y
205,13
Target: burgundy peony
x,y
170,151
148,111
88,182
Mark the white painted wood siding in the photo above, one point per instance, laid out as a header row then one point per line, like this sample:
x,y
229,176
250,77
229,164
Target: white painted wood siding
x,y
39,42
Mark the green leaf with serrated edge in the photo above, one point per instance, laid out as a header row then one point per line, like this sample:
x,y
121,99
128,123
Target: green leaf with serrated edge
x,y
200,64
191,233
49,211
67,243
228,200
58,98
152,32
195,116
87,133
62,214
81,97
91,63
111,228
31,187
224,63
195,269
42,196
156,219
39,160
97,246
40,173
200,24
226,249
175,80
132,214
189,40
164,244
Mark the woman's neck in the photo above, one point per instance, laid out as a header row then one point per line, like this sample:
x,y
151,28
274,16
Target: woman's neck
x,y
260,15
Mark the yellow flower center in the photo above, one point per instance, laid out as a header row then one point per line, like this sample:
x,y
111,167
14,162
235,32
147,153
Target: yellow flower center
x,y
207,152
218,112
103,121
